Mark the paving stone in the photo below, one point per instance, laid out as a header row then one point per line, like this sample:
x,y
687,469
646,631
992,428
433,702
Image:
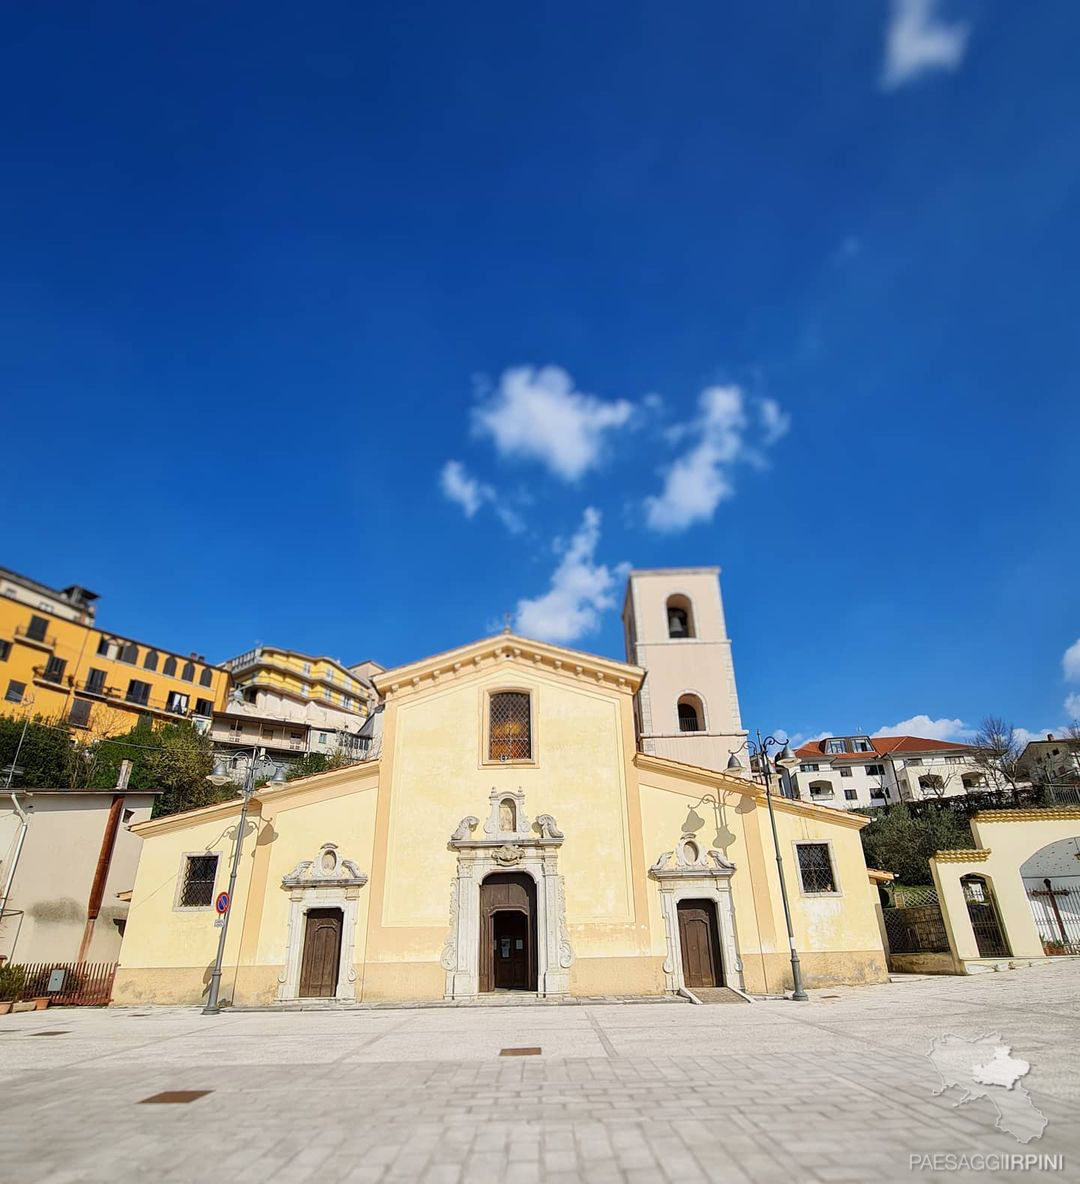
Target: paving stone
x,y
823,1092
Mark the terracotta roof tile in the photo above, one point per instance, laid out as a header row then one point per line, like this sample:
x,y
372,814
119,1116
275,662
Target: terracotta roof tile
x,y
883,746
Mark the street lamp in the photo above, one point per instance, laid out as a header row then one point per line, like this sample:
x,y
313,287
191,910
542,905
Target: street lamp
x,y
220,776
786,760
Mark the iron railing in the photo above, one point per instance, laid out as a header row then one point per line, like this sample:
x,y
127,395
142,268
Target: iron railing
x,y
77,984
1056,917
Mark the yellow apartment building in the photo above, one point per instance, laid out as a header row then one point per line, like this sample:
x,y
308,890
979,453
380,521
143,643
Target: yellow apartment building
x,y
291,704
57,663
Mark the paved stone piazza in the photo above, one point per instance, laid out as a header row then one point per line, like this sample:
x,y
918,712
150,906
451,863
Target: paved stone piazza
x,y
836,1089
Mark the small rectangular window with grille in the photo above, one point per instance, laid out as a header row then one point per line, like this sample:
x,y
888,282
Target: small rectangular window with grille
x,y
815,867
197,890
510,727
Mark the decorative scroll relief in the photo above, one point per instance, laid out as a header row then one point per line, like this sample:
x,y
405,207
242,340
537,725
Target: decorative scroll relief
x,y
509,843
326,870
690,871
688,857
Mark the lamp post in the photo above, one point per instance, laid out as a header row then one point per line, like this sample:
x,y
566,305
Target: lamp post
x,y
786,760
219,777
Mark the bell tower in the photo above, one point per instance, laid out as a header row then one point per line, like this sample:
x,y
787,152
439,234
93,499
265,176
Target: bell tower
x,y
687,709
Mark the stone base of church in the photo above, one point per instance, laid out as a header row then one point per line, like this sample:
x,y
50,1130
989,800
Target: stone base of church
x,y
165,986
770,974
618,976
407,982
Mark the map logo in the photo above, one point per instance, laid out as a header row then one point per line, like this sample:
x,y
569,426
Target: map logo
x,y
985,1068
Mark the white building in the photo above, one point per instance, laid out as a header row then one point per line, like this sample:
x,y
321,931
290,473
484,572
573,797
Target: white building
x,y
1053,762
73,603
856,772
688,708
67,860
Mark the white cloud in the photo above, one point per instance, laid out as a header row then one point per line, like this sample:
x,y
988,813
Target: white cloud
x,y
929,729
470,494
1070,662
538,414
701,478
459,487
1023,737
775,422
798,739
580,589
917,39
1072,706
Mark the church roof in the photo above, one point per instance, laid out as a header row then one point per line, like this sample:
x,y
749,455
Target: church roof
x,y
511,646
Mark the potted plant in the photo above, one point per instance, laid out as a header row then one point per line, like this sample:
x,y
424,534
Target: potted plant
x,y
11,984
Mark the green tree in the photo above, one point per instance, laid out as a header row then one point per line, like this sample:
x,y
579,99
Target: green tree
x,y
316,762
901,842
45,758
172,757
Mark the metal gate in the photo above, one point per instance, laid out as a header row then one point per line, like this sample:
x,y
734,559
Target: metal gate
x,y
983,914
915,924
1057,919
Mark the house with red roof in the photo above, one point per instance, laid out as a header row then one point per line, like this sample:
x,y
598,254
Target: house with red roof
x,y
856,772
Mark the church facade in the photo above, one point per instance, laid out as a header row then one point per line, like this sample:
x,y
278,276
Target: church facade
x,y
510,836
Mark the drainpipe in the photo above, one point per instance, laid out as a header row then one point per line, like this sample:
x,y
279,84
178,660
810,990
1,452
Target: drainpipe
x,y
104,862
24,826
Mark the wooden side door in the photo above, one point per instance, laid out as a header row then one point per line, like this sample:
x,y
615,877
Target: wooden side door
x,y
700,949
322,953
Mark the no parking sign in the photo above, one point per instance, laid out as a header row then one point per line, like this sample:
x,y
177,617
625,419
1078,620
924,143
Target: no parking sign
x,y
222,903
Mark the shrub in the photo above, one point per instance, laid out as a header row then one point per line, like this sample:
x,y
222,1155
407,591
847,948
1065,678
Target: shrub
x,y
12,979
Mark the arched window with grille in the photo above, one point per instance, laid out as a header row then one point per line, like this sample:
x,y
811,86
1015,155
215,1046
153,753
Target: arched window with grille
x,y
510,726
207,677
691,714
150,662
170,667
680,617
188,673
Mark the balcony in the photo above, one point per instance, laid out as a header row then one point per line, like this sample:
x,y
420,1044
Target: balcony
x,y
35,637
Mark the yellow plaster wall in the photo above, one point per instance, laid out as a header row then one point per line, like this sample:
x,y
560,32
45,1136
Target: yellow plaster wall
x,y
301,825
158,935
1011,837
579,776
838,937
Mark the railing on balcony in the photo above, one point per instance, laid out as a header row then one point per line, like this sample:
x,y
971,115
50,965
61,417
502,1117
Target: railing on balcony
x,y
246,659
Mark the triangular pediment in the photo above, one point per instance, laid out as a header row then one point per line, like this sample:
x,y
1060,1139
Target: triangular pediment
x,y
509,648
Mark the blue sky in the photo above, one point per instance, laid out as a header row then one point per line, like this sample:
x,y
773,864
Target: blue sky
x,y
788,288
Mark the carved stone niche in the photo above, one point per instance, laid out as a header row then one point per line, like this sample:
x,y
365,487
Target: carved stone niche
x,y
327,881
691,872
511,843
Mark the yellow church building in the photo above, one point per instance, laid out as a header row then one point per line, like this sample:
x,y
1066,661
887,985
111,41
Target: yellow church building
x,y
513,835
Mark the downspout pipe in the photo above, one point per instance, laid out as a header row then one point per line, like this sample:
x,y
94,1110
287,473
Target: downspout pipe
x,y
24,826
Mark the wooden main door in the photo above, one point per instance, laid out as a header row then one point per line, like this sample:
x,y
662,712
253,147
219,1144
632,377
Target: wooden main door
x,y
508,932
700,944
510,951
322,953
